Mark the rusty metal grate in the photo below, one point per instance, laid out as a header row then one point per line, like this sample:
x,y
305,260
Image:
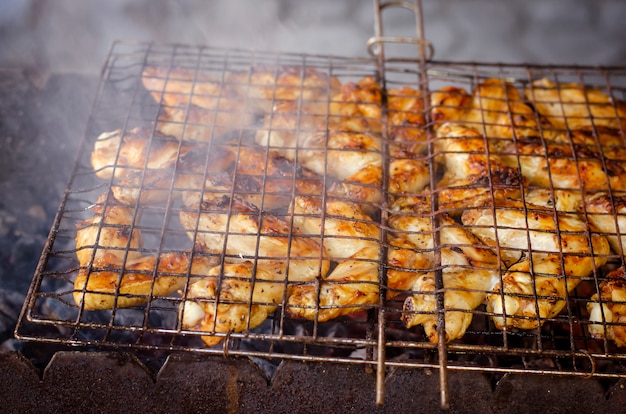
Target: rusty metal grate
x,y
186,210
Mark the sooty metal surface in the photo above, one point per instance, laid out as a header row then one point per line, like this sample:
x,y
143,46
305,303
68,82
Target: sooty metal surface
x,y
93,381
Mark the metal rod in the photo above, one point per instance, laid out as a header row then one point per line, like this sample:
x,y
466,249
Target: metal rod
x,y
380,353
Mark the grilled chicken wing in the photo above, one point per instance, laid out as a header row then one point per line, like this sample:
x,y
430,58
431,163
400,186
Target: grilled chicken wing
x,y
108,235
268,85
548,252
473,175
134,282
269,180
220,223
469,271
354,159
148,167
358,108
564,201
573,106
116,152
343,141
573,161
607,217
234,297
114,273
607,310
407,176
193,104
149,170
495,109
351,239
406,117
196,105
263,178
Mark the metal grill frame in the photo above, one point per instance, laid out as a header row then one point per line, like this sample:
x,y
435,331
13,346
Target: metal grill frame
x,y
526,352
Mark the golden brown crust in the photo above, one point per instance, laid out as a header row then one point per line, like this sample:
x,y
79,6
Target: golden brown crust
x,y
574,106
248,294
114,272
131,283
473,175
495,109
552,244
607,309
352,240
221,223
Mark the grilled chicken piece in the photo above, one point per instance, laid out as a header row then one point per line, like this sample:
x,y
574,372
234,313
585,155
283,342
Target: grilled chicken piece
x,y
234,297
469,271
358,108
148,167
548,252
607,217
474,175
407,176
138,149
150,170
221,223
268,85
270,181
352,158
607,310
495,109
574,160
351,239
117,284
108,235
574,106
563,201
343,141
113,271
405,107
196,105
263,178
560,165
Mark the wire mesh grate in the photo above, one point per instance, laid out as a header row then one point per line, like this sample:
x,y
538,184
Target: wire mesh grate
x,y
312,207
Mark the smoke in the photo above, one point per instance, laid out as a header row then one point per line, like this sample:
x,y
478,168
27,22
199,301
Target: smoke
x,y
66,36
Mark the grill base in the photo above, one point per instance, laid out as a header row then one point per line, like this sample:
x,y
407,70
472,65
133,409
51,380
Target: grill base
x,y
88,381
